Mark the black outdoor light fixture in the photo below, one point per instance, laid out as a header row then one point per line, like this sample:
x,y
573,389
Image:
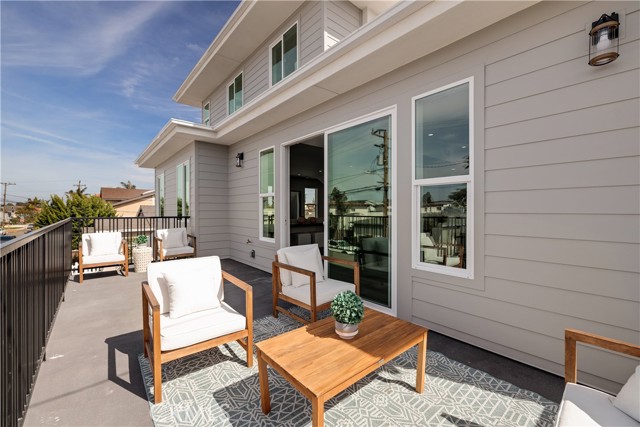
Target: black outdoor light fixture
x,y
604,40
239,159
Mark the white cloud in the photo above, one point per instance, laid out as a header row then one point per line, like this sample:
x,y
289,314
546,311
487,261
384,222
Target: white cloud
x,y
79,37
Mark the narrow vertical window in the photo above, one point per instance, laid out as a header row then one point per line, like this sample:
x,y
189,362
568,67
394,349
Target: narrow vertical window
x,y
284,55
206,114
160,195
183,174
235,95
267,195
443,178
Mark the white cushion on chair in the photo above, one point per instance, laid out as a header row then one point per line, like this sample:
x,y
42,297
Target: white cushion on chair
x,y
628,400
585,407
285,275
325,291
198,327
177,251
103,244
158,284
307,260
102,259
191,291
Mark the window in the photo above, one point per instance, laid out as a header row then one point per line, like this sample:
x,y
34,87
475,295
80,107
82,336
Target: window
x,y
443,178
183,174
267,195
310,202
160,194
206,114
234,97
284,55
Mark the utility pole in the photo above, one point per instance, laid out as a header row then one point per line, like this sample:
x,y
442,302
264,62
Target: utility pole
x,y
4,198
80,186
384,134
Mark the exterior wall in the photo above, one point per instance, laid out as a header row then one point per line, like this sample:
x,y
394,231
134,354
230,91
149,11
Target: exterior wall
x,y
131,209
170,182
210,211
341,19
310,18
556,188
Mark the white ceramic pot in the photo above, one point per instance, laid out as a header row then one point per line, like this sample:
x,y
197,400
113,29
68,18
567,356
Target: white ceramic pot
x,y
346,331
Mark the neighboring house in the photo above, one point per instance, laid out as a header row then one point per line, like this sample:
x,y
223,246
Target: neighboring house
x,y
502,169
126,201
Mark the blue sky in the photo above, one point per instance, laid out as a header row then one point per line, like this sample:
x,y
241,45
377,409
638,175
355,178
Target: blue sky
x,y
85,86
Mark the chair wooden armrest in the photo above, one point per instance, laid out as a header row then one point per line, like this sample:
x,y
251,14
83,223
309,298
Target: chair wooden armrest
x,y
193,244
248,300
354,264
157,247
572,336
149,300
311,274
125,250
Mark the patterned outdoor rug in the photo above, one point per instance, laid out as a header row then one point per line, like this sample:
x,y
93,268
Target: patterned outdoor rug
x,y
215,388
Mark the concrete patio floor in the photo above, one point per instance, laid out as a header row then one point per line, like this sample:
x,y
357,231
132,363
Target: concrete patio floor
x,y
92,378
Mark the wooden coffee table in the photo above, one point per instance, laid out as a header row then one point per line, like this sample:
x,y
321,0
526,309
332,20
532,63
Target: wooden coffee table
x,y
320,364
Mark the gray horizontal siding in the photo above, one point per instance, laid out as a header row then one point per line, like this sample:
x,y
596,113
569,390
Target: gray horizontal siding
x,y
311,32
342,19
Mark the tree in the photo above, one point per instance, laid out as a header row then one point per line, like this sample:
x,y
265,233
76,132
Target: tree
x,y
77,205
459,197
30,209
338,201
128,185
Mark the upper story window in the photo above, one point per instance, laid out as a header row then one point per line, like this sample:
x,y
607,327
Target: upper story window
x,y
284,55
267,195
443,178
160,194
183,175
235,95
206,114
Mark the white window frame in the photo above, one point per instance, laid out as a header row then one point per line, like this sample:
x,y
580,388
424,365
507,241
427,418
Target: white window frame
x,y
232,83
281,39
261,196
468,272
206,120
160,194
186,200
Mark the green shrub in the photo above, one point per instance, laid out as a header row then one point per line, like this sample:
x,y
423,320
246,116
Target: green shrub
x,y
347,307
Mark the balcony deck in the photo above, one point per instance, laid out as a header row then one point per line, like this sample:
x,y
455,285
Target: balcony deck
x,y
91,376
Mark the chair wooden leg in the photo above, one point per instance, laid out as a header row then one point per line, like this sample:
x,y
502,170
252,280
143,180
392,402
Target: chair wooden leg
x,y
126,268
157,379
314,314
81,274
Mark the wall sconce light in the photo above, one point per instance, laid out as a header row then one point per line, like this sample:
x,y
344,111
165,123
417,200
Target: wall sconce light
x,y
604,40
239,159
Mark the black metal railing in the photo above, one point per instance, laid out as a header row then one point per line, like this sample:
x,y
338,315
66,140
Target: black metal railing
x,y
353,228
130,227
35,269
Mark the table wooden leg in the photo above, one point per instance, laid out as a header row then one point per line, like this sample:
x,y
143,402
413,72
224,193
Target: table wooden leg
x,y
317,414
422,363
265,399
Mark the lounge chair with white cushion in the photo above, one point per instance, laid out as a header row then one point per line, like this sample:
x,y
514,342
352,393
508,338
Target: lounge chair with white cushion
x,y
102,250
173,243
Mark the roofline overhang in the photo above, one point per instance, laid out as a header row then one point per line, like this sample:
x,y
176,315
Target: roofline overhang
x,y
176,134
347,65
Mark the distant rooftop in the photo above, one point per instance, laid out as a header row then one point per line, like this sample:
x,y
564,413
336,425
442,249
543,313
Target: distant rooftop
x,y
120,194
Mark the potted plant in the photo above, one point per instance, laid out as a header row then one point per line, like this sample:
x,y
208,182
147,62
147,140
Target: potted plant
x,y
348,311
141,240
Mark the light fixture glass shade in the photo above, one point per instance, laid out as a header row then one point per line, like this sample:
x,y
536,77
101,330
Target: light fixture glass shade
x,y
604,42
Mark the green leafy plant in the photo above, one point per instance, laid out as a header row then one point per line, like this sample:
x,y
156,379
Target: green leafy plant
x,y
347,307
142,239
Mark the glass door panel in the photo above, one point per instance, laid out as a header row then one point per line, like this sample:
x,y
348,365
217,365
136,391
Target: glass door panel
x,y
359,201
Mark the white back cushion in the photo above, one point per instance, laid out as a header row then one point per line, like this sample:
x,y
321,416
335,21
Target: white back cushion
x,y
191,291
173,237
307,260
628,400
98,244
158,283
285,275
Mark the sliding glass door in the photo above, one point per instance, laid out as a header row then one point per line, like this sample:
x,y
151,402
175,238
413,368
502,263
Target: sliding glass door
x,y
359,202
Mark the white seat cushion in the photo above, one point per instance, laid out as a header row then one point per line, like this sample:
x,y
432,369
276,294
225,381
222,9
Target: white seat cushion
x,y
325,291
198,327
190,291
628,400
101,259
585,407
158,285
104,243
173,237
177,251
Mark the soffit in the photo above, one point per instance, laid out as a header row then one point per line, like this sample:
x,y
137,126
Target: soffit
x,y
249,26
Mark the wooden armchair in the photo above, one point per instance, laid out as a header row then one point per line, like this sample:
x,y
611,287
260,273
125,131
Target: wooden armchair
x,y
183,312
171,243
102,250
298,278
585,406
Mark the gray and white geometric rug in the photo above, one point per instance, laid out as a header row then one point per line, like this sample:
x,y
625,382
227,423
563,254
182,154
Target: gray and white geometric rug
x,y
215,388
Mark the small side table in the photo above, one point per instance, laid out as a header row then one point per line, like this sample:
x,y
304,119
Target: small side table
x,y
142,256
